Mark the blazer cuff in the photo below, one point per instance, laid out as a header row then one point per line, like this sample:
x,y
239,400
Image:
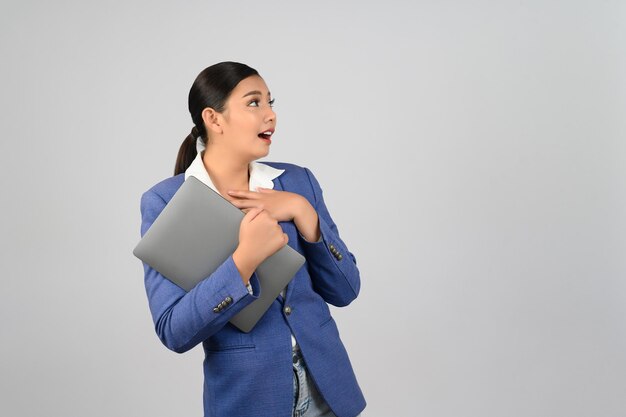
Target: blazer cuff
x,y
309,242
233,289
241,290
325,247
254,285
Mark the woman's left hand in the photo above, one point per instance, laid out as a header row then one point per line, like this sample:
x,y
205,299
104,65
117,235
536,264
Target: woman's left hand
x,y
281,205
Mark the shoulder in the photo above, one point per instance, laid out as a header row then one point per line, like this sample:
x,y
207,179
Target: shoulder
x,y
165,189
294,175
288,167
298,179
156,198
291,171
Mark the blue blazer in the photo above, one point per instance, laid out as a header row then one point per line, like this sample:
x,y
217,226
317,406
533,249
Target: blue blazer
x,y
250,374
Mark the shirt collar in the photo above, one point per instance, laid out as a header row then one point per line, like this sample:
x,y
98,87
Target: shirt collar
x,y
261,175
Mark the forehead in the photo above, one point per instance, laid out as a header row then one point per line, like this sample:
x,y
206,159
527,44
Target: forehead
x,y
252,83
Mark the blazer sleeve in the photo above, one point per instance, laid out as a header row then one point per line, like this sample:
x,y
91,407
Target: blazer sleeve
x,y
184,319
332,266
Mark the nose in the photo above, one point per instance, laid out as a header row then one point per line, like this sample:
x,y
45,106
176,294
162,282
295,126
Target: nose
x,y
270,116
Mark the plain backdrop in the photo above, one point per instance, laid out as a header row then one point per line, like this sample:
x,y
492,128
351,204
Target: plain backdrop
x,y
472,154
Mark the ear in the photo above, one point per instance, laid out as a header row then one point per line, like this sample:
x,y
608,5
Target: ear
x,y
212,121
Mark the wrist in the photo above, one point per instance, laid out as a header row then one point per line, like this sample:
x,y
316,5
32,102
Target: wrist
x,y
302,209
307,223
245,264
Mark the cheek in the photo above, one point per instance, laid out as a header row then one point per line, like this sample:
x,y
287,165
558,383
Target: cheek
x,y
246,121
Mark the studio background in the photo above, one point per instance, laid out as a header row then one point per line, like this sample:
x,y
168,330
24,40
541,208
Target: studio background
x,y
471,153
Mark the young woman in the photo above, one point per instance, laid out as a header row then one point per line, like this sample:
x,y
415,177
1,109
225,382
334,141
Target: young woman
x,y
293,362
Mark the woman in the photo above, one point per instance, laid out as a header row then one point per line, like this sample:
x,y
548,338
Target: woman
x,y
293,362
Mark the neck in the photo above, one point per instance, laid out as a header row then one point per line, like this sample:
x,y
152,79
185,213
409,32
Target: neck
x,y
226,172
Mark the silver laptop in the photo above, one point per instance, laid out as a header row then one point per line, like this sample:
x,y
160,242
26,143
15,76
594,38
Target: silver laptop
x,y
196,232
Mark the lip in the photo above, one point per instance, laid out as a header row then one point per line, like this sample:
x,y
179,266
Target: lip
x,y
267,130
268,140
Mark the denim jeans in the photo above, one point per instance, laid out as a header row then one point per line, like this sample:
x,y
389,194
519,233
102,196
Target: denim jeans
x,y
307,401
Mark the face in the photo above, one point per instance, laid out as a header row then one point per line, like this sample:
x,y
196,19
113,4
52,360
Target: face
x,y
248,120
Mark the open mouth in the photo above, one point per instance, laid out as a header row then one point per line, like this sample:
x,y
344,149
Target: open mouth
x,y
266,135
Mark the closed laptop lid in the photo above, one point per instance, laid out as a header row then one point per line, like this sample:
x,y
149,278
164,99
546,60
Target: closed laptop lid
x,y
196,232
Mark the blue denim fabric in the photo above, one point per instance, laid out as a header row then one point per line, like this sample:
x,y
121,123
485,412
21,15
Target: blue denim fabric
x,y
307,401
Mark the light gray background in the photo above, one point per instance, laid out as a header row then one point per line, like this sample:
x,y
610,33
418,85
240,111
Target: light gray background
x,y
472,154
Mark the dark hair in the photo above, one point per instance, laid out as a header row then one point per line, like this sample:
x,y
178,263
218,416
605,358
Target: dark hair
x,y
211,88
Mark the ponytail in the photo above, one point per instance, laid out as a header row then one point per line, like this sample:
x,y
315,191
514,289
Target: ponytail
x,y
187,152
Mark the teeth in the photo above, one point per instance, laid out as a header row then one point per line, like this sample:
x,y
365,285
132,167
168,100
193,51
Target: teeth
x,y
267,133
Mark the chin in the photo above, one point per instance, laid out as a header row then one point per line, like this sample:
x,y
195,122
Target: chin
x,y
260,154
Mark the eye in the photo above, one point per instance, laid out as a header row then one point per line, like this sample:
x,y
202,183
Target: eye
x,y
255,102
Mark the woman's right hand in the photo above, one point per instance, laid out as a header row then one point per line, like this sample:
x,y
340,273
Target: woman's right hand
x,y
260,236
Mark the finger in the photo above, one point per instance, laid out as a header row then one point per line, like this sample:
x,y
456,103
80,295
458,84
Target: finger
x,y
243,194
241,204
252,213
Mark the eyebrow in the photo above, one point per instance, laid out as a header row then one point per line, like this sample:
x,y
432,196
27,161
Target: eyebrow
x,y
256,92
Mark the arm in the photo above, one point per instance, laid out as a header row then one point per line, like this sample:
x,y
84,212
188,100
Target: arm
x,y
184,319
334,273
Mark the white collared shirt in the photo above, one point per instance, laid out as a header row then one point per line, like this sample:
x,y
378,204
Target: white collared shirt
x,y
261,175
